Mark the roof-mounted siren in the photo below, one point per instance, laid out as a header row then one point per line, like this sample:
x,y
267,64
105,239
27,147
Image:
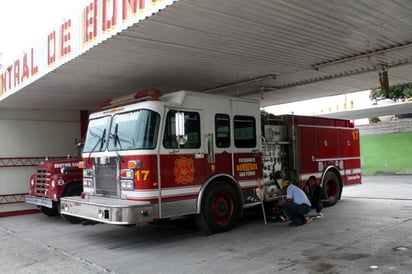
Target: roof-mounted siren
x,y
145,95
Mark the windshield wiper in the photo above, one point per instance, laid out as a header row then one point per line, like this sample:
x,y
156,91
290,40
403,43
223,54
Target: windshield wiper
x,y
116,136
99,141
116,141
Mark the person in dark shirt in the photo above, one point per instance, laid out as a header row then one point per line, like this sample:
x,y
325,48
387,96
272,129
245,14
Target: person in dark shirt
x,y
314,192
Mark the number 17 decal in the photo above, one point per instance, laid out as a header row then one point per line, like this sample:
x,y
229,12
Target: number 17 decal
x,y
355,135
141,175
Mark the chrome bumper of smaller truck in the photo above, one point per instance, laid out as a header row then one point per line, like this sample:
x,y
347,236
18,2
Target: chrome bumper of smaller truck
x,y
39,201
107,210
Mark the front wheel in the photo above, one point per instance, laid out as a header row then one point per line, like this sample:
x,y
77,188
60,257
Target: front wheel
x,y
220,209
331,188
51,212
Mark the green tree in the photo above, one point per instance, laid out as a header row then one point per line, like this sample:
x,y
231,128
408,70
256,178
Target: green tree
x,y
407,92
397,92
374,120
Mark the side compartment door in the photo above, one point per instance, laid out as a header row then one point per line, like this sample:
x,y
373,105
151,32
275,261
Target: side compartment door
x,y
327,143
349,143
307,156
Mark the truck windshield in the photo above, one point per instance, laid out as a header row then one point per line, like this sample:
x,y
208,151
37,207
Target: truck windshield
x,y
136,129
96,134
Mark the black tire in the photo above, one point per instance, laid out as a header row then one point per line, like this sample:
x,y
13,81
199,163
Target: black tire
x,y
74,189
220,209
51,212
332,188
159,221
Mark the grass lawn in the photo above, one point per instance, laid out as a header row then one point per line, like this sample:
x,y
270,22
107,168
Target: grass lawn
x,y
386,153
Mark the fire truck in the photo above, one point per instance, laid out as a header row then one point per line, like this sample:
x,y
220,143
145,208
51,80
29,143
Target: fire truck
x,y
208,156
55,178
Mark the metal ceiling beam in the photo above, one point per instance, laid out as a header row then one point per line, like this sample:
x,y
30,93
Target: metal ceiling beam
x,y
361,56
241,83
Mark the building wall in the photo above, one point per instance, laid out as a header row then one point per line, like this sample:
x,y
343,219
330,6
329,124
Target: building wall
x,y
387,127
27,137
386,147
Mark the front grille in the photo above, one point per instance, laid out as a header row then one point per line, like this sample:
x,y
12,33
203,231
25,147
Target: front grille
x,y
107,178
41,181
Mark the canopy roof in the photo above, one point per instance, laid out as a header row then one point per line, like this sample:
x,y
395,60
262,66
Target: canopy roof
x,y
278,51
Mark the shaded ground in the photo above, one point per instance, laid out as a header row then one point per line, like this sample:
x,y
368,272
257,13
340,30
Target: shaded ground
x,y
368,231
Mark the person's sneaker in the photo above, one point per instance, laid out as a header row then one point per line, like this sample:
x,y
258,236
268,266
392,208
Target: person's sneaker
x,y
320,215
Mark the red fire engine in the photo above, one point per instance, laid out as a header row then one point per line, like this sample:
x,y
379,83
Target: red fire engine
x,y
188,153
54,179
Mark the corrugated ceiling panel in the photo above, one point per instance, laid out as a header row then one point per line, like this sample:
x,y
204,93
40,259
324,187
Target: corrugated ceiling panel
x,y
315,48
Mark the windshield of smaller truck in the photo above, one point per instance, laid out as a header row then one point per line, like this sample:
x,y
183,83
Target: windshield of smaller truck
x,y
136,129
96,134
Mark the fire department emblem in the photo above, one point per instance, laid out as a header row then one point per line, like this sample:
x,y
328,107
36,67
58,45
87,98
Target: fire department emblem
x,y
184,170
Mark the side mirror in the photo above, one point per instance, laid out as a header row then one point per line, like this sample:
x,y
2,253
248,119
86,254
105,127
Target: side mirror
x,y
181,137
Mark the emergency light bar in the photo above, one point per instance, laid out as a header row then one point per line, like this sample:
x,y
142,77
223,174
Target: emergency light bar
x,y
145,95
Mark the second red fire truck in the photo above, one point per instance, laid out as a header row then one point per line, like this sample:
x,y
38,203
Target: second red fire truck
x,y
55,178
188,153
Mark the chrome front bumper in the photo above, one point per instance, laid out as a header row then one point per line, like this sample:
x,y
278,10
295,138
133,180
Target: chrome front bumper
x,y
39,201
107,210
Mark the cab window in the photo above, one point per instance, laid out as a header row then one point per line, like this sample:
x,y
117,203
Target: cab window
x,y
192,130
244,131
222,130
136,129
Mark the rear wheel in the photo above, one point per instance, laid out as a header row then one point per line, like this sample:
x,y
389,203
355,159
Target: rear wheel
x,y
331,188
220,209
75,189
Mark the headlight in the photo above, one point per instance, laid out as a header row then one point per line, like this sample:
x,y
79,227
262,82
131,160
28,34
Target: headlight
x,y
53,183
60,182
127,184
87,182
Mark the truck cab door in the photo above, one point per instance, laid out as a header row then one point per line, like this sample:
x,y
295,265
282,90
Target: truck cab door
x,y
182,157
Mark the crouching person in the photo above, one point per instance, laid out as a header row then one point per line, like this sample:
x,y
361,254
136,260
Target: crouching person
x,y
296,204
314,192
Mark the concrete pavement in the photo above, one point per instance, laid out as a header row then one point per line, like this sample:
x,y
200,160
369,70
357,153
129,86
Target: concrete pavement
x,y
368,231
